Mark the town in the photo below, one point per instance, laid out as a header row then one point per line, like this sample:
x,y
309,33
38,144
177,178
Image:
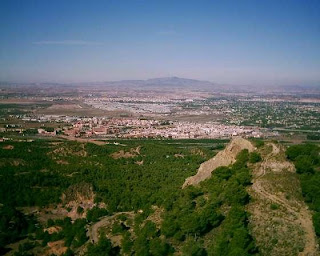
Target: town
x,y
108,112
103,127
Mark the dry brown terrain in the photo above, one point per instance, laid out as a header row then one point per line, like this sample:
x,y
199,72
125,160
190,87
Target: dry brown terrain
x,y
56,248
280,221
65,151
70,108
127,154
82,140
8,147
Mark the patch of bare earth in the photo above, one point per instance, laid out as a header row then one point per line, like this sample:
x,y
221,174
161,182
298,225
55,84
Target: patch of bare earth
x,y
133,152
53,229
56,248
66,151
8,147
139,162
155,217
55,143
197,151
17,162
78,195
62,162
82,140
280,221
12,162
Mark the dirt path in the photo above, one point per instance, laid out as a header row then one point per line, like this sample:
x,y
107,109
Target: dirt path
x,y
302,214
93,230
275,150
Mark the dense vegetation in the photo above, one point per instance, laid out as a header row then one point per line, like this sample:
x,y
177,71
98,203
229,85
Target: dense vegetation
x,y
307,162
38,173
215,209
14,225
208,219
36,167
313,137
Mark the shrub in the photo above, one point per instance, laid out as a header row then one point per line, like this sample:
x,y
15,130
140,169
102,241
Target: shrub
x,y
254,157
80,210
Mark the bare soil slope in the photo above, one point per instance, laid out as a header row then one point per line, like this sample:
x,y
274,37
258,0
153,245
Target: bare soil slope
x,y
223,158
280,221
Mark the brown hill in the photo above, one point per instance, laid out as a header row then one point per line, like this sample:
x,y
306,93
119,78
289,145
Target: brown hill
x,y
223,158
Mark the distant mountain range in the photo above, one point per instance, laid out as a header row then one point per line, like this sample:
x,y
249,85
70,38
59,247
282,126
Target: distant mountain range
x,y
163,81
178,82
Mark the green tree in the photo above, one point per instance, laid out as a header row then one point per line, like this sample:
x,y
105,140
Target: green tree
x,y
304,164
159,247
193,248
102,248
254,157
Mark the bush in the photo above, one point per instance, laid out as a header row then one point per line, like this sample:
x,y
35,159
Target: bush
x,y
193,248
304,164
49,129
316,222
126,243
223,173
119,228
103,247
159,247
95,213
258,142
254,157
304,149
313,137
80,210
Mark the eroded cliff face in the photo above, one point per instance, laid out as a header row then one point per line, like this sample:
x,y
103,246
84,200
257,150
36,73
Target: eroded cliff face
x,y
223,158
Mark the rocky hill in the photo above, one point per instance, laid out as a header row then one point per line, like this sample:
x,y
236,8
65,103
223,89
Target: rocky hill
x,y
280,221
223,158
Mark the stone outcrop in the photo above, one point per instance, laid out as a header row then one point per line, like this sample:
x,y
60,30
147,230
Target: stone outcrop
x,y
223,158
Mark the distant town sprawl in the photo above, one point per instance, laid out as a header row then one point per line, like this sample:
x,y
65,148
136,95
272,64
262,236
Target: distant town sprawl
x,y
156,112
133,128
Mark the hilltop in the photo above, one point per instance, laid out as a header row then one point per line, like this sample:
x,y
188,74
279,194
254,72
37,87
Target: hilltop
x,y
223,158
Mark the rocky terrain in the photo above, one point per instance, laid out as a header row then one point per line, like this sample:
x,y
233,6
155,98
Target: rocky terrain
x,y
280,220
223,158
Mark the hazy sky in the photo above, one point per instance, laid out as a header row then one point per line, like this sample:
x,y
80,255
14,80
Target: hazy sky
x,y
239,42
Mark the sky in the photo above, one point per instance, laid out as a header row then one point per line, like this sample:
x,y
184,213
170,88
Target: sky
x,y
233,42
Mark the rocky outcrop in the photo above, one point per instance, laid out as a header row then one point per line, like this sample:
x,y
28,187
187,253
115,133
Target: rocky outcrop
x,y
223,158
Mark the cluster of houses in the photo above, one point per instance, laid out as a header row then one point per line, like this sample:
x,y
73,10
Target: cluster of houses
x,y
136,128
139,128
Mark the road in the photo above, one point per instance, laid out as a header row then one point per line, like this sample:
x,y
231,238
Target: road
x,y
93,230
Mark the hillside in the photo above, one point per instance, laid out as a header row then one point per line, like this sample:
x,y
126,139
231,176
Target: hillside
x,y
124,197
223,158
280,220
